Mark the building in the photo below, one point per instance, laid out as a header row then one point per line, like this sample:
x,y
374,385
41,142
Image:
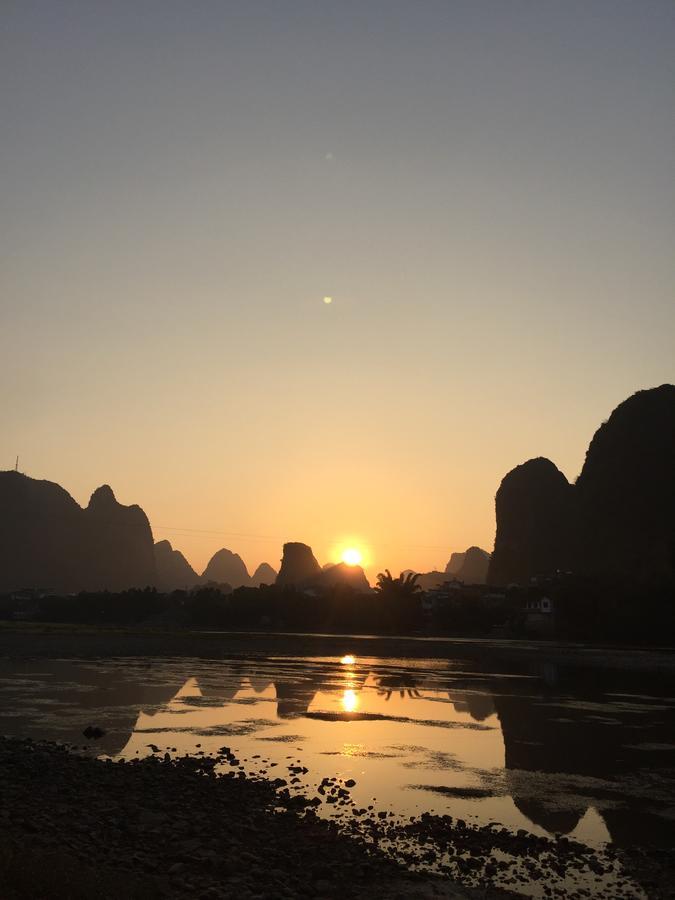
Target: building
x,y
539,615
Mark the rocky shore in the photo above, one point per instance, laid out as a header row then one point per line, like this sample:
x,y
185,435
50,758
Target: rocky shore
x,y
76,827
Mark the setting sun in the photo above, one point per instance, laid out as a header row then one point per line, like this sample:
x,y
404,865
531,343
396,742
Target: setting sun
x,y
352,556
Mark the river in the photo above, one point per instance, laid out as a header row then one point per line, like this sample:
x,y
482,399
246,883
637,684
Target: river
x,y
575,741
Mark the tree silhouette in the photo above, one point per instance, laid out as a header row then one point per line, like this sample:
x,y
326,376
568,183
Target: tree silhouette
x,y
403,587
406,686
400,601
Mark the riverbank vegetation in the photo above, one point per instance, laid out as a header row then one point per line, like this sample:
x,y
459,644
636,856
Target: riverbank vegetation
x,y
581,610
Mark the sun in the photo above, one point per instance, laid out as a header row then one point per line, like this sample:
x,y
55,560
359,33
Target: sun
x,y
352,556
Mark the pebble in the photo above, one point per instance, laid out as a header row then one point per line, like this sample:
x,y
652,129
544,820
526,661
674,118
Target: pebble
x,y
162,817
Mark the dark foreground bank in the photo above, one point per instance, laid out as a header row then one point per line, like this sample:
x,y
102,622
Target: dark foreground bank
x,y
77,827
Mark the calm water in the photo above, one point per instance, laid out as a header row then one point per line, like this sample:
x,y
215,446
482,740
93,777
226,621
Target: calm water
x,y
481,733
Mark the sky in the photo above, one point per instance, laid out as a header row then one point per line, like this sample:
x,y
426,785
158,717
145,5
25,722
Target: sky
x,y
486,190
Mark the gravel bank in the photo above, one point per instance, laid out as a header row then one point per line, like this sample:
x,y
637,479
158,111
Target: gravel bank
x,y
72,826
76,827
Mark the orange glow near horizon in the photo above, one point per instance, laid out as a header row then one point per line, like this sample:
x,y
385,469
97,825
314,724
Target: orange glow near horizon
x,y
319,307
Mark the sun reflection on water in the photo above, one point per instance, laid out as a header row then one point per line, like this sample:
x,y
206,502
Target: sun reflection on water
x,y
348,660
350,700
352,749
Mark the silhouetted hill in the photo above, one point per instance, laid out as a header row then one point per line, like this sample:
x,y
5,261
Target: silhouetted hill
x,y
48,540
455,563
474,568
617,520
471,567
174,572
121,548
626,490
429,580
41,527
298,564
340,574
227,567
534,507
264,574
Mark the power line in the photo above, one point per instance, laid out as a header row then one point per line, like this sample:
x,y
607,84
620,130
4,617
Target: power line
x,y
260,537
277,538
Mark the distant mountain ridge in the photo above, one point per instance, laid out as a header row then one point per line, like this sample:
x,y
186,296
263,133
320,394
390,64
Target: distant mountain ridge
x,y
174,572
617,520
225,567
48,540
471,567
264,574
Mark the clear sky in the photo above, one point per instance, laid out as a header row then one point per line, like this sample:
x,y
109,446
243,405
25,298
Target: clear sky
x,y
485,189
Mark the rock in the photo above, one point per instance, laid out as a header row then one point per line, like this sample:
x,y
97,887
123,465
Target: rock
x,y
93,732
534,507
626,491
616,521
298,565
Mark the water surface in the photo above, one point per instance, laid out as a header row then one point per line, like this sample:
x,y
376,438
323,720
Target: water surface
x,y
485,735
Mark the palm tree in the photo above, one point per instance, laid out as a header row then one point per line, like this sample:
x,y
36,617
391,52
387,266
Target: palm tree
x,y
403,587
404,684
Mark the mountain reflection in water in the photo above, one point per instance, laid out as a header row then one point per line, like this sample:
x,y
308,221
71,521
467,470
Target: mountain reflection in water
x,y
554,749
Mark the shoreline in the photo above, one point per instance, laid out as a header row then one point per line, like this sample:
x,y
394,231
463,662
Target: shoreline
x,y
167,826
77,827
72,826
33,639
